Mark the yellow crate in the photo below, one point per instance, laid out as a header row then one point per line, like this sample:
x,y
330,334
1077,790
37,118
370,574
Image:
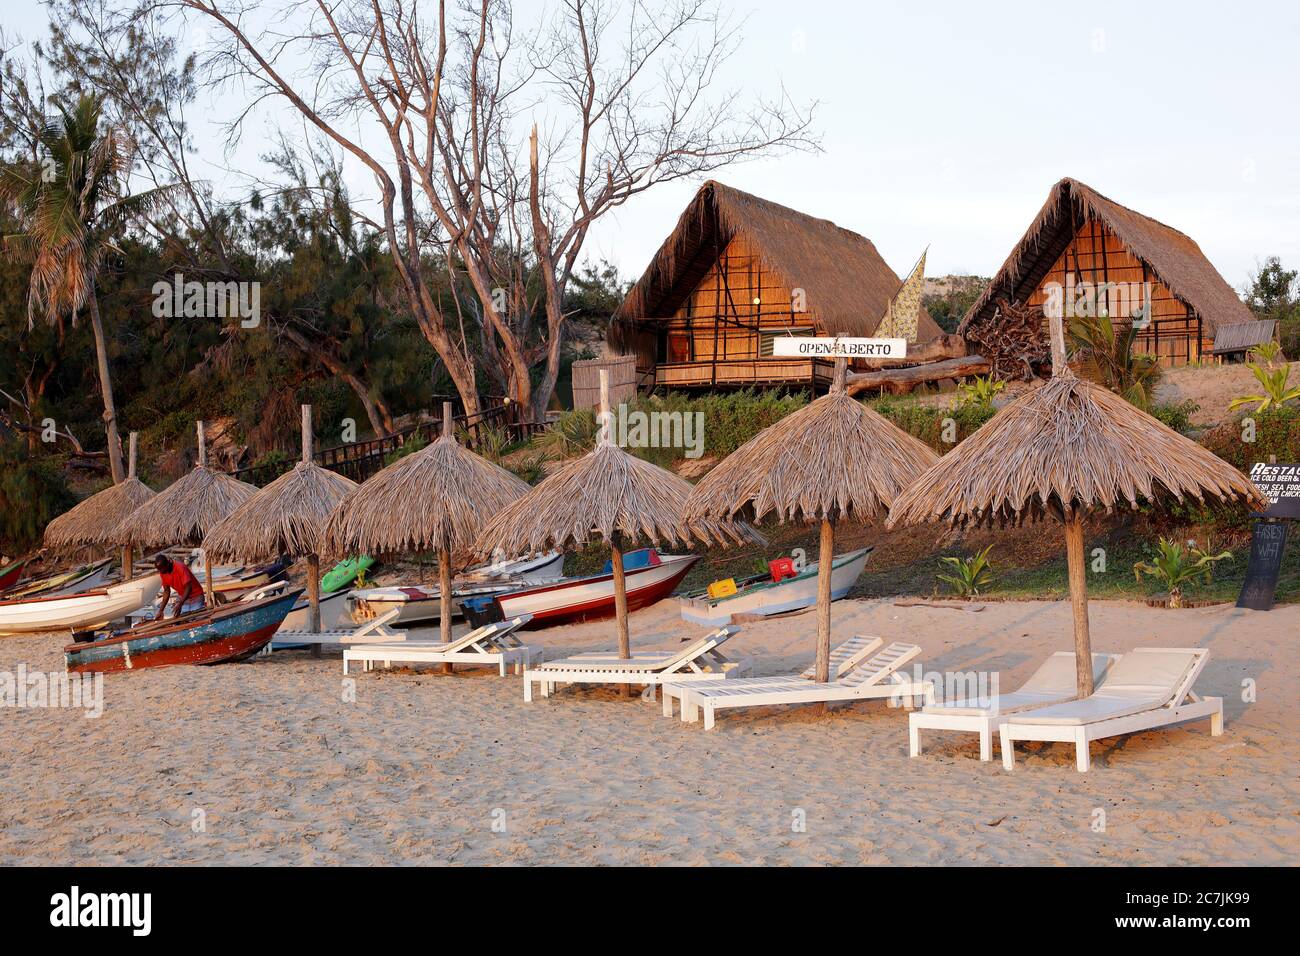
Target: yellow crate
x,y
721,589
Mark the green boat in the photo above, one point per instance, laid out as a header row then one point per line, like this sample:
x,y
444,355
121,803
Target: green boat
x,y
344,573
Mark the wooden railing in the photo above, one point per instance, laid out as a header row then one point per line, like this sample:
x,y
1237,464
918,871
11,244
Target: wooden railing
x,y
360,460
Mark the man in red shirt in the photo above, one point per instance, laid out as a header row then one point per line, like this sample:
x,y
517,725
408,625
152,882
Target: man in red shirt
x,y
177,577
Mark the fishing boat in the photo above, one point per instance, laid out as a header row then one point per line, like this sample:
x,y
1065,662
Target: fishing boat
x,y
334,613
86,577
765,594
416,605
650,577
542,567
343,574
69,612
235,582
231,632
10,574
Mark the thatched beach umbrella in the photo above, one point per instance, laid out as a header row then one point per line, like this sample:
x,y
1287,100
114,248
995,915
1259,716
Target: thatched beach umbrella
x,y
186,510
437,498
606,495
91,523
286,517
1066,448
833,460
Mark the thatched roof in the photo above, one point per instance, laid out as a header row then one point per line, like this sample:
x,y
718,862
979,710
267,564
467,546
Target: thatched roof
x,y
184,512
285,517
1173,258
92,522
847,282
833,458
1242,336
603,493
1068,444
440,496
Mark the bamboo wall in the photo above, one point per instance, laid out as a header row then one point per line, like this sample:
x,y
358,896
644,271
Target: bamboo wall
x,y
1096,255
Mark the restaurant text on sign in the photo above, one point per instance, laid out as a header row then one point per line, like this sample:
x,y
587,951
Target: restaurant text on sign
x,y
792,346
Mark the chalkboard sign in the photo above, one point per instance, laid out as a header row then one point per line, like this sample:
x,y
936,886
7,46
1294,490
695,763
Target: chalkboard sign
x,y
1280,484
1266,546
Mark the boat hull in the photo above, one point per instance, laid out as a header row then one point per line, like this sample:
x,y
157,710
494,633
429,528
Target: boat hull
x,y
592,598
333,613
793,594
412,611
231,633
70,612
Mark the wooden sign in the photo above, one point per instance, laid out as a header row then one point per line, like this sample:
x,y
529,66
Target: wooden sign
x,y
796,346
1267,543
1280,484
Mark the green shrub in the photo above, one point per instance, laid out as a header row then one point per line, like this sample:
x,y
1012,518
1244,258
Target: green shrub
x,y
531,468
1177,415
32,493
928,423
412,444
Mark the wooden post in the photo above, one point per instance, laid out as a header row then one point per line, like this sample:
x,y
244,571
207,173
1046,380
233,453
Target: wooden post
x,y
606,432
1057,324
313,560
825,558
1079,601
444,599
128,552
210,593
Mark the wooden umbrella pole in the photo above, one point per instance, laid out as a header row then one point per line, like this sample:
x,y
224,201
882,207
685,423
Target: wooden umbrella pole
x,y
1079,601
620,607
825,558
313,560
128,553
444,599
209,591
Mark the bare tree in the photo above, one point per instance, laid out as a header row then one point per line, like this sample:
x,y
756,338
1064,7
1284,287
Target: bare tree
x,y
437,112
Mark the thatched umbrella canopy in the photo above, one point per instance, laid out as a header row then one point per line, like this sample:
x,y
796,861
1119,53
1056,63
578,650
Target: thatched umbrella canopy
x,y
437,498
833,460
286,517
91,523
186,510
607,495
1066,448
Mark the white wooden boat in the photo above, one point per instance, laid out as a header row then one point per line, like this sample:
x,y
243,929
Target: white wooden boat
x,y
88,577
766,597
71,612
592,598
541,567
415,604
333,613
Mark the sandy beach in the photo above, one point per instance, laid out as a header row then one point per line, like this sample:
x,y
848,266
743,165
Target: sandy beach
x,y
266,763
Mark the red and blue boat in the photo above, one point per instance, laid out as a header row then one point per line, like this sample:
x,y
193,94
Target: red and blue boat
x,y
231,632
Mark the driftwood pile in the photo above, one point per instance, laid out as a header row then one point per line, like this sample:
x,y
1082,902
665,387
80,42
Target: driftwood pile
x,y
1013,340
945,357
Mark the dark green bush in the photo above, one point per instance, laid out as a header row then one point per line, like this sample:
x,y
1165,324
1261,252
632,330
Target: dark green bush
x,y
926,422
1177,415
32,493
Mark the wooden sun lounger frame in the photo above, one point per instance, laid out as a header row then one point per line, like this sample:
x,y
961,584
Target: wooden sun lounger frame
x,y
699,661
985,725
844,658
1184,705
492,644
888,683
376,631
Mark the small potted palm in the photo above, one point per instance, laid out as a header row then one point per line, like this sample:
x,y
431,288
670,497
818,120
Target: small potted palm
x,y
1176,565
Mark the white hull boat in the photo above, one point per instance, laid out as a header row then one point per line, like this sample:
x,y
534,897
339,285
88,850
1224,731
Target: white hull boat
x,y
333,613
762,598
592,598
416,606
542,567
82,611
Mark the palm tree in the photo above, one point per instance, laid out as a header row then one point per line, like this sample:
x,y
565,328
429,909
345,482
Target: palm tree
x,y
73,202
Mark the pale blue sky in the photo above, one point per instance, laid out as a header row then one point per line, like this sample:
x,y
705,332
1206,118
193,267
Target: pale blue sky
x,y
945,124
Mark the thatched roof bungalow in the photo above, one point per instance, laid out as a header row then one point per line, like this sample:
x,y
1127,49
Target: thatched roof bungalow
x,y
1081,243
736,272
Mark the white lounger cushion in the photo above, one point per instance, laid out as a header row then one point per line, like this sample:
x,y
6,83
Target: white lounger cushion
x,y
1054,682
1144,679
709,641
859,680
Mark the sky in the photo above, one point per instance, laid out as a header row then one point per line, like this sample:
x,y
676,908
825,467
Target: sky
x,y
945,124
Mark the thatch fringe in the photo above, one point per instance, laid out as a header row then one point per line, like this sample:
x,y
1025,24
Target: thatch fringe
x,y
1173,257
286,517
437,497
834,458
1068,445
184,512
848,284
605,495
92,522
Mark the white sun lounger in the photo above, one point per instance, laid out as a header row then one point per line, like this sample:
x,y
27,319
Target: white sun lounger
x,y
844,658
1148,687
371,632
492,645
699,661
1054,682
873,679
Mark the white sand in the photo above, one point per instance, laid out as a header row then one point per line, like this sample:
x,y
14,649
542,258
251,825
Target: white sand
x,y
285,772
